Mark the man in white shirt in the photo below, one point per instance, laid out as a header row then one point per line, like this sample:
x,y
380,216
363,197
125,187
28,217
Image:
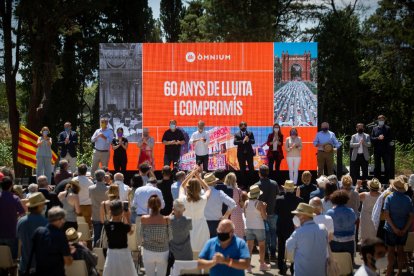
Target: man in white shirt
x,y
142,194
84,199
320,218
123,188
200,139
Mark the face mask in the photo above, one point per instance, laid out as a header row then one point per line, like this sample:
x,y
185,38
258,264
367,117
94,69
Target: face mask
x,y
381,123
145,134
45,132
276,129
243,129
119,134
324,129
360,131
172,127
67,129
381,263
296,221
293,134
223,236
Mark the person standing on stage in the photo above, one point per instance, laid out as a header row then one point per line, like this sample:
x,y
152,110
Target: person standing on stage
x,y
244,140
173,138
275,152
44,154
146,146
381,138
293,147
102,139
67,141
120,146
360,142
326,142
200,140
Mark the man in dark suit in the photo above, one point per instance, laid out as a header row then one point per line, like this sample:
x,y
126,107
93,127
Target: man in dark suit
x,y
67,141
244,140
381,138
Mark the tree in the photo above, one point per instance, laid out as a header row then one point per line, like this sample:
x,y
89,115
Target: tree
x,y
10,70
388,65
171,12
339,70
193,24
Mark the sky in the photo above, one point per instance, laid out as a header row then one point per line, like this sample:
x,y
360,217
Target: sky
x,y
297,48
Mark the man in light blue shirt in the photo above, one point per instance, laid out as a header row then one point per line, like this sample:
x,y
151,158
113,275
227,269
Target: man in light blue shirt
x,y
213,210
308,244
142,194
175,187
102,139
326,142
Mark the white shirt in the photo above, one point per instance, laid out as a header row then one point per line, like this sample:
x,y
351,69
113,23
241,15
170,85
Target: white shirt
x,y
84,183
365,271
325,220
141,196
200,147
360,148
123,190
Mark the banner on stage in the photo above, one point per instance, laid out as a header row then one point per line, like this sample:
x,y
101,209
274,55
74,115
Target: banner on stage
x,y
147,85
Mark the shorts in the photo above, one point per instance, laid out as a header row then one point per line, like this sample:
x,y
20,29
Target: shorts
x,y
258,234
391,239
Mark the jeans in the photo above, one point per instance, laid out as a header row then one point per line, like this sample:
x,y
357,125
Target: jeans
x,y
97,229
293,164
155,261
270,226
212,227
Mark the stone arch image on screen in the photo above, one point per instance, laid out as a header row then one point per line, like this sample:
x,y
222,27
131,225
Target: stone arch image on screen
x,y
295,92
120,87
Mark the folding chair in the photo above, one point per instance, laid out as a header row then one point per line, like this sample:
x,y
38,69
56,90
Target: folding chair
x,y
6,259
344,261
84,229
77,268
184,267
101,259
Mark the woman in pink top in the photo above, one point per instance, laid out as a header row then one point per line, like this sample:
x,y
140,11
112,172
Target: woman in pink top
x,y
237,213
293,146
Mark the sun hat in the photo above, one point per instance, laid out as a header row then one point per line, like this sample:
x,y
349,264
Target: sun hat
x,y
322,180
210,179
374,184
254,192
304,209
36,199
289,185
399,184
18,189
72,235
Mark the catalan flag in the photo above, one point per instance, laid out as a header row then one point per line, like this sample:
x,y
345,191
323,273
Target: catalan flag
x,y
26,153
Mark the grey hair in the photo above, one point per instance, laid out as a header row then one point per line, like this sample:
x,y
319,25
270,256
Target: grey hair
x,y
99,175
179,205
119,177
33,188
56,213
332,177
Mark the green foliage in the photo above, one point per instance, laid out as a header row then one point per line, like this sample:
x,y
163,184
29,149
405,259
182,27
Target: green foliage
x,y
85,157
171,12
404,158
6,157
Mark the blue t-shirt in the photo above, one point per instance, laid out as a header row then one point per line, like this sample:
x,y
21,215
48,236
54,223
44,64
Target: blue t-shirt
x,y
399,207
26,227
344,219
236,250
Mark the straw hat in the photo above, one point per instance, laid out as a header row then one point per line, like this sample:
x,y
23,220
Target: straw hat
x,y
18,189
289,185
374,184
304,209
254,192
210,179
411,181
36,199
72,235
399,184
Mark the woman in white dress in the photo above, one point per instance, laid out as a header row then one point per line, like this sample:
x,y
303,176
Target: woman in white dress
x,y
366,227
195,202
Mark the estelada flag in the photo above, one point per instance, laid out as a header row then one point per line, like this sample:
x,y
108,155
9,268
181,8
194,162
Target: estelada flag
x,y
26,153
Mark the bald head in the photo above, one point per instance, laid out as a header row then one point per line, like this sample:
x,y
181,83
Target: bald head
x,y
119,177
42,181
316,203
225,226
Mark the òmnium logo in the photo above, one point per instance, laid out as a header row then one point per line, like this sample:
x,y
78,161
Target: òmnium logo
x,y
191,57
